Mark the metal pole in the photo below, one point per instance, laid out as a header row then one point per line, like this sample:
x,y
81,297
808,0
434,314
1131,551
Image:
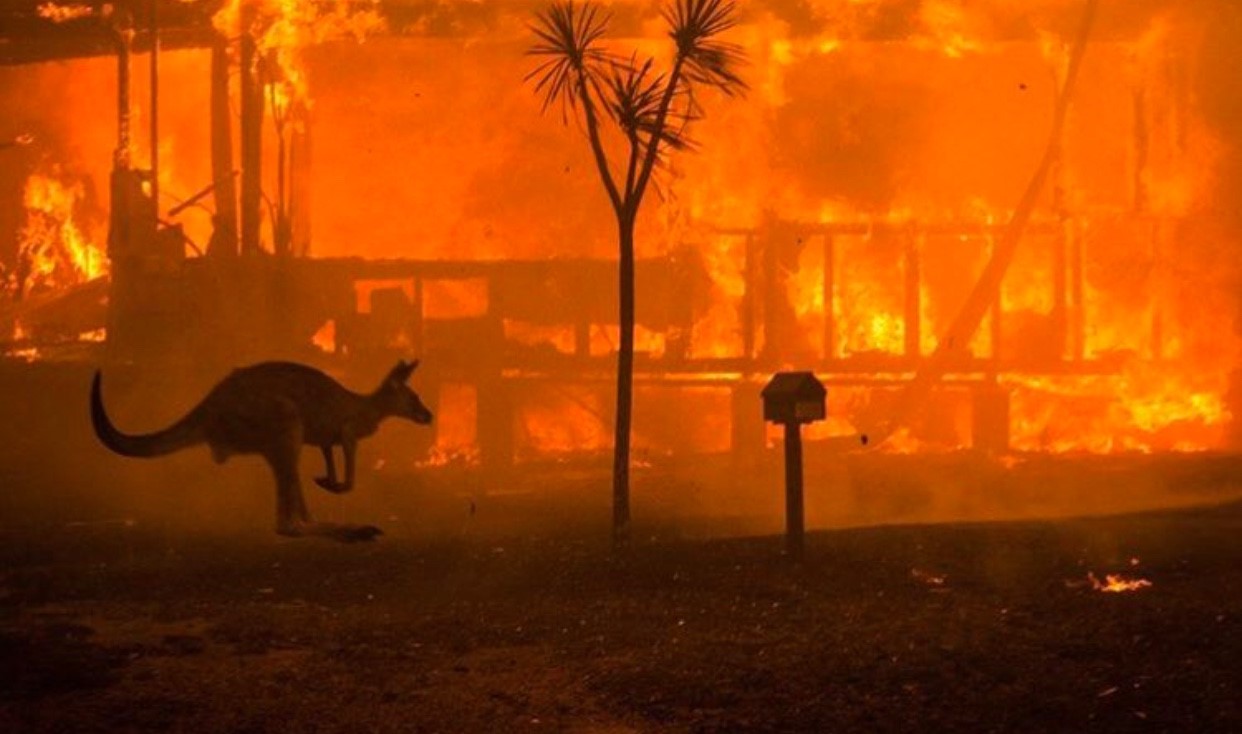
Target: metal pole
x,y
794,523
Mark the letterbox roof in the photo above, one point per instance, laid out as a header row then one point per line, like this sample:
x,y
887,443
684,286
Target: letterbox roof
x,y
794,385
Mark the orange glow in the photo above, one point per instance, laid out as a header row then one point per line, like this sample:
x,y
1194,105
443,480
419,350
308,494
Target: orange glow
x,y
56,249
562,421
325,337
456,431
285,28
888,147
60,13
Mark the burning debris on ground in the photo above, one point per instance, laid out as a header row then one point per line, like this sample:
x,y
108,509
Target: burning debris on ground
x,y
1003,236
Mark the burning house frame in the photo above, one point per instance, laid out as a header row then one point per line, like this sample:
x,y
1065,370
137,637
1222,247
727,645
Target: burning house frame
x,y
854,242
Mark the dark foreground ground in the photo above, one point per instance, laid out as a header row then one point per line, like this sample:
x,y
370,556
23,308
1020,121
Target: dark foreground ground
x,y
961,627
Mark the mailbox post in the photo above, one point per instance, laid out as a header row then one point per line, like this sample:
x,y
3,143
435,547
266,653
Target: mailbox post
x,y
791,399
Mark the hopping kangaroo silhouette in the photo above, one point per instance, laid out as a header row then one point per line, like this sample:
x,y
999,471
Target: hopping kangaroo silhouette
x,y
272,409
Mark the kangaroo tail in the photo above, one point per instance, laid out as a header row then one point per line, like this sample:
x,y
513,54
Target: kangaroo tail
x,y
179,435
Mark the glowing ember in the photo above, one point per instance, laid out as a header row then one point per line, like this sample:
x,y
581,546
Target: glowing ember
x,y
26,354
1114,583
440,457
325,337
928,578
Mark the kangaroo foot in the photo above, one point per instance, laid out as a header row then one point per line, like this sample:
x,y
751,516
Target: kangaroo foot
x,y
333,486
291,529
342,532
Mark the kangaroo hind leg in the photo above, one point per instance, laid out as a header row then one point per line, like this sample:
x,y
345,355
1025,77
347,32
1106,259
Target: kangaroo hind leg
x,y
292,517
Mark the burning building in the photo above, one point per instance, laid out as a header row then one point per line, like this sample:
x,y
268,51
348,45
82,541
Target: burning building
x,y
991,225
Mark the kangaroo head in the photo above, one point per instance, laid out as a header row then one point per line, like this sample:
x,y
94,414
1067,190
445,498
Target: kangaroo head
x,y
395,398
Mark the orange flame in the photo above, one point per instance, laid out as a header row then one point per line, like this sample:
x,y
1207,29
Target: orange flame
x,y
1114,583
54,248
58,13
285,28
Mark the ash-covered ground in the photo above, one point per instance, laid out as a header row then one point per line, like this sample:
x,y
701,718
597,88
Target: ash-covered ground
x,y
939,593
519,617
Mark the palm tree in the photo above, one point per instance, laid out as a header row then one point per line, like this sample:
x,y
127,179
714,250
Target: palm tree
x,y
651,111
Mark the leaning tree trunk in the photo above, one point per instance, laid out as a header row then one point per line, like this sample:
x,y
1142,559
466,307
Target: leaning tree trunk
x,y
625,386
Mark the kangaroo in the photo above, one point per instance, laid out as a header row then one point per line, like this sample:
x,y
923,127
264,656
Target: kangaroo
x,y
272,409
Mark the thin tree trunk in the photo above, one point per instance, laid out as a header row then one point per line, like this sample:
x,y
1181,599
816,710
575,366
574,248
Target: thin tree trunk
x,y
625,387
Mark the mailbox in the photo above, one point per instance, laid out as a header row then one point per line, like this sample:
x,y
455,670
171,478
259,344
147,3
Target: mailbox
x,y
794,397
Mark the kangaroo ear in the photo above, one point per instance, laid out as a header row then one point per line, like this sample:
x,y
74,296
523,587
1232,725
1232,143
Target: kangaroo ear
x,y
402,371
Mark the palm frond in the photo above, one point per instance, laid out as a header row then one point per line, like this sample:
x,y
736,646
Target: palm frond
x,y
568,36
634,93
694,26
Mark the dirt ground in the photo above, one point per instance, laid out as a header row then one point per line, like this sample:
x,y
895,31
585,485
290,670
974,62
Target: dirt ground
x,y
135,625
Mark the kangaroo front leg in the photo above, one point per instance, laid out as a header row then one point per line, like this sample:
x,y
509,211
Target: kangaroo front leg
x,y
328,482
349,447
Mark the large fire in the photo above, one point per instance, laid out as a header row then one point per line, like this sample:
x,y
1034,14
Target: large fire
x,y
881,151
284,29
55,250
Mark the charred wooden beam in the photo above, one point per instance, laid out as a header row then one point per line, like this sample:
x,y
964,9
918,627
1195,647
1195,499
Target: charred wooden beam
x,y
750,284
224,238
1077,315
153,30
913,297
29,33
251,135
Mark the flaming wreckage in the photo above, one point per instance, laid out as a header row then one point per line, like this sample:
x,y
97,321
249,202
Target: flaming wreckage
x,y
980,224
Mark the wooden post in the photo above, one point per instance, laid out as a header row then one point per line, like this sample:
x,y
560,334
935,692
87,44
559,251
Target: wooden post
x,y
251,134
417,337
913,302
582,338
155,108
1060,289
746,427
996,312
830,307
224,241
301,151
1142,148
1156,292
1078,327
771,293
794,518
123,142
749,268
